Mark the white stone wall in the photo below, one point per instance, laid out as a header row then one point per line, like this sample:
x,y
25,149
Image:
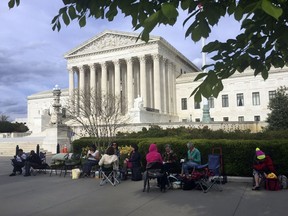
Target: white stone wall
x,y
38,109
244,83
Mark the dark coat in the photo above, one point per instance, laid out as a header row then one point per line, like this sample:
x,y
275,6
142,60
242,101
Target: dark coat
x,y
135,159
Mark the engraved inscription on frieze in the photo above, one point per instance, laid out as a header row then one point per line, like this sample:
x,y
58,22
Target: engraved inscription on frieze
x,y
106,42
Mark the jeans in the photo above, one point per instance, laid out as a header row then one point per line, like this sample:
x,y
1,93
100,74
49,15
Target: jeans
x,y
88,166
188,165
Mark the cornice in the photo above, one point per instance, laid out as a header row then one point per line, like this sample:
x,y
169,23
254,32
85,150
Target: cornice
x,y
76,56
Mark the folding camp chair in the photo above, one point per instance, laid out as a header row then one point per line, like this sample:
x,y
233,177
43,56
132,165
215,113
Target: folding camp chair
x,y
155,171
108,174
57,162
209,175
41,168
71,162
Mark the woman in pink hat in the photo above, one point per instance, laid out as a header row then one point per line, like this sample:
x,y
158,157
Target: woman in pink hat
x,y
262,166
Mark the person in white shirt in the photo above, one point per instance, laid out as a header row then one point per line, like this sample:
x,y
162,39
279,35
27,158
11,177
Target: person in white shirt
x,y
109,158
92,160
18,162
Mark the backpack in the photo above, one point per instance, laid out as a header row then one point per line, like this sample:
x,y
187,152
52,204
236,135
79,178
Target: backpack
x,y
188,184
283,181
272,184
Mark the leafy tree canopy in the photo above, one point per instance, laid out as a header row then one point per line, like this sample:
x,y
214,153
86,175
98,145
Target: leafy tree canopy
x,y
278,118
261,45
8,127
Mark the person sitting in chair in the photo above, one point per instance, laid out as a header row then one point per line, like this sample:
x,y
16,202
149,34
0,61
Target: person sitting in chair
x,y
18,162
92,160
109,158
169,159
262,166
33,160
154,158
193,159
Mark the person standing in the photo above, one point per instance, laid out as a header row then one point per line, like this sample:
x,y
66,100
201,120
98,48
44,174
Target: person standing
x,y
135,161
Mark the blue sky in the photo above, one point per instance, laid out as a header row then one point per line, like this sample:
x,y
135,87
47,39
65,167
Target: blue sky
x,y
31,53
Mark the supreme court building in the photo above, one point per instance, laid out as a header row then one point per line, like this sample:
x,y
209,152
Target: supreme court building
x,y
116,63
154,81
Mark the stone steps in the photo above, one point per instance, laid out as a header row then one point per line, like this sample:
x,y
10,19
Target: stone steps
x,y
9,148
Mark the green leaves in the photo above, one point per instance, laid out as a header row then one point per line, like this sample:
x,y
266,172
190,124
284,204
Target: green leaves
x,y
12,3
210,86
170,12
65,18
271,9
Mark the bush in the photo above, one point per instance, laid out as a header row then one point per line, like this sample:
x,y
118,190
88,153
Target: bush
x,y
238,147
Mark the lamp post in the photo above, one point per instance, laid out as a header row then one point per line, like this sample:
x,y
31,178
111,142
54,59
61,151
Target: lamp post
x,y
206,110
56,116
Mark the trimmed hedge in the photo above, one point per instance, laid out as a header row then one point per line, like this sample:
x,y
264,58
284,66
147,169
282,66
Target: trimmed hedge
x,y
237,154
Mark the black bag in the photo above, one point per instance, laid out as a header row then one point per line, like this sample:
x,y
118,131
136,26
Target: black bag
x,y
188,184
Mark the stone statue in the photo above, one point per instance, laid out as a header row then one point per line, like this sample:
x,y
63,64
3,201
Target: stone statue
x,y
138,103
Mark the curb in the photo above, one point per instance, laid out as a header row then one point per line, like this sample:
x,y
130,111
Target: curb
x,y
239,179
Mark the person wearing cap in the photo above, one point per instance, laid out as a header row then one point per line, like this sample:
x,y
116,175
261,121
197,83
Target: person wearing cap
x,y
262,166
193,159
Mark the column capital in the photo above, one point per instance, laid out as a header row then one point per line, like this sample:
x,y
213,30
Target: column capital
x,y
71,68
81,68
156,56
92,66
103,64
143,58
165,60
130,60
116,62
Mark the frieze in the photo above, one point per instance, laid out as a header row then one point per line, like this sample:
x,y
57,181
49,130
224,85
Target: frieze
x,y
80,57
106,42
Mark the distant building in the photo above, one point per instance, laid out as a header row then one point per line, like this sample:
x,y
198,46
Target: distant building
x,y
157,76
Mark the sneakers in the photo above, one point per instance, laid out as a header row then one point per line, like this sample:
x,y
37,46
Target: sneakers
x,y
12,174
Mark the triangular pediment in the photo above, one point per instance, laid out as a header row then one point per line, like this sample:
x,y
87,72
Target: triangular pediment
x,y
107,40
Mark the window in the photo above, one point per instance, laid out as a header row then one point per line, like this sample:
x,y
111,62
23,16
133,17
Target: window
x,y
240,99
184,103
240,118
226,119
212,119
184,120
196,105
255,98
256,118
225,102
211,102
272,94
197,119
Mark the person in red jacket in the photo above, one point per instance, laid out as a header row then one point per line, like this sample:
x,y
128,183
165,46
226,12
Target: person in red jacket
x,y
262,166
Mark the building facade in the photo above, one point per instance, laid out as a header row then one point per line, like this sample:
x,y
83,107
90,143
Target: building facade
x,y
244,97
117,63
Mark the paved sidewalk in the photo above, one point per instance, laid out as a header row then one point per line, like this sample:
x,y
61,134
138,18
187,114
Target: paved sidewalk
x,y
45,195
